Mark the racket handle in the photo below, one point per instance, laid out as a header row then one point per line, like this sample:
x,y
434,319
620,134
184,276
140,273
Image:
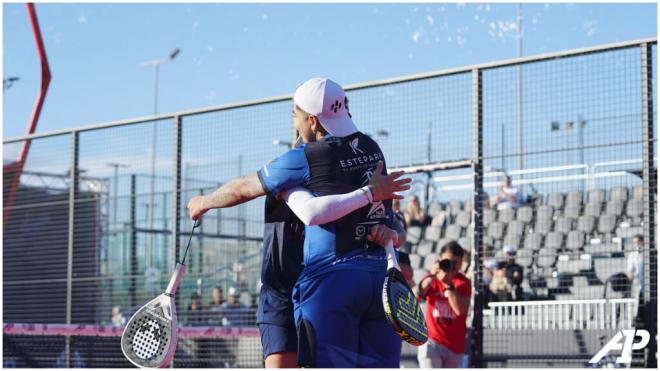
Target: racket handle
x,y
392,260
179,271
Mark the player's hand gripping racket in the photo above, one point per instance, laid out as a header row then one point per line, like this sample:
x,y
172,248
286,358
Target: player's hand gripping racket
x,y
149,338
401,308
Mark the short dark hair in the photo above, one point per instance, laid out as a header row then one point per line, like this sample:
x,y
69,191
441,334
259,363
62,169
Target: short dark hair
x,y
454,248
194,296
639,237
404,258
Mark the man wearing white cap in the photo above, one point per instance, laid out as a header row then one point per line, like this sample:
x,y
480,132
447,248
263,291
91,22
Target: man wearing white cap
x,y
341,161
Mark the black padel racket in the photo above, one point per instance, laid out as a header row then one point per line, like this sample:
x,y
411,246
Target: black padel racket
x,y
401,308
149,338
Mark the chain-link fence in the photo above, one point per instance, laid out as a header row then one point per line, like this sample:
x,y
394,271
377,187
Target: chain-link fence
x,y
555,263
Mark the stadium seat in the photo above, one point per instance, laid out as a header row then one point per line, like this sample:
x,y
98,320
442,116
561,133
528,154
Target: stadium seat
x,y
592,209
432,233
496,230
638,193
546,257
543,226
489,216
413,234
606,249
596,196
465,243
455,206
440,219
525,214
416,261
544,212
563,225
524,257
575,240
428,262
607,267
554,240
468,205
418,274
453,231
443,241
463,219
635,208
614,207
606,224
424,248
573,266
434,209
533,241
628,232
506,215
574,198
572,211
619,194
515,228
513,240
586,224
556,200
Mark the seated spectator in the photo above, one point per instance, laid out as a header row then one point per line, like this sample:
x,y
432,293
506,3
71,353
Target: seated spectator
x,y
414,215
507,196
234,312
514,272
214,309
500,287
118,318
196,315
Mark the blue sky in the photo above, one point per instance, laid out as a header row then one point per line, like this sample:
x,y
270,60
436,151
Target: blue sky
x,y
233,52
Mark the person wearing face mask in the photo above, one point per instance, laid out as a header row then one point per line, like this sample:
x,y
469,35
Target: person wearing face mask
x,y
447,292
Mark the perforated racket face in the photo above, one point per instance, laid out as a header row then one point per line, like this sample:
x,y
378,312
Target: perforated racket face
x,y
402,310
148,339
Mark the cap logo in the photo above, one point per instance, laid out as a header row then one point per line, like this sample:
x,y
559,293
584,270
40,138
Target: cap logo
x,y
335,106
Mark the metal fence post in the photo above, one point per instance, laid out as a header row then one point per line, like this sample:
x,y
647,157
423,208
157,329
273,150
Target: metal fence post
x,y
73,191
649,188
133,243
176,194
477,214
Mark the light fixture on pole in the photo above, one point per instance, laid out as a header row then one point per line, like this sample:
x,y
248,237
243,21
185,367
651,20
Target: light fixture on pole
x,y
150,215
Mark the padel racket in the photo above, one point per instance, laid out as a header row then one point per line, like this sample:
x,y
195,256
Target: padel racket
x,y
149,338
401,308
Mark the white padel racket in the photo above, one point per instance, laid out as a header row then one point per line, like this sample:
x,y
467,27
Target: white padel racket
x,y
149,338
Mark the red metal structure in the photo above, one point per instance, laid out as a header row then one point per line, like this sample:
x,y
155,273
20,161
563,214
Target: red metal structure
x,y
17,167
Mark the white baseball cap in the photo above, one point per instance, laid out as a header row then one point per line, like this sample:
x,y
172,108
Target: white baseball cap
x,y
326,100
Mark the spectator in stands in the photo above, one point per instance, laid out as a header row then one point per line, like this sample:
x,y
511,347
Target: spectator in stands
x,y
196,315
447,292
214,309
235,313
414,214
406,268
514,272
500,287
507,196
635,265
118,318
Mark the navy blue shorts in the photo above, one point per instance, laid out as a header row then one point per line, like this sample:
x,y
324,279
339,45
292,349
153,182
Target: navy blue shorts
x,y
278,339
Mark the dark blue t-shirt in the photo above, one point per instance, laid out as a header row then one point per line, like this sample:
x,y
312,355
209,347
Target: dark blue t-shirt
x,y
334,166
284,235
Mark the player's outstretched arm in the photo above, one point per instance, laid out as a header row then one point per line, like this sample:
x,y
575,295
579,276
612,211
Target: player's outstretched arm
x,y
313,210
235,192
